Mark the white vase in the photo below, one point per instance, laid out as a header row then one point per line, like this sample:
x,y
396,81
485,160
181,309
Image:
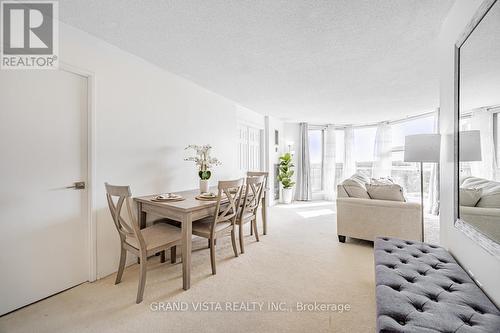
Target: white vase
x,y
287,195
203,185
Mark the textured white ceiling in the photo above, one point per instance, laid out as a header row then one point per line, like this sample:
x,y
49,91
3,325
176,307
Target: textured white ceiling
x,y
332,61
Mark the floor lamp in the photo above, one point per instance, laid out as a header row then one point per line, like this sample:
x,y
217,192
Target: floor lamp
x,y
422,148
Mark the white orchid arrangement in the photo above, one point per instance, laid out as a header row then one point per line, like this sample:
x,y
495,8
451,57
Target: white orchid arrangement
x,y
203,160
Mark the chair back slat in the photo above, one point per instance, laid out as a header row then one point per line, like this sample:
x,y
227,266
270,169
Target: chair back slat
x,y
259,173
253,194
125,229
230,189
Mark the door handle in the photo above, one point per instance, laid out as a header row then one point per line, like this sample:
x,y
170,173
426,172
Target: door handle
x,y
77,186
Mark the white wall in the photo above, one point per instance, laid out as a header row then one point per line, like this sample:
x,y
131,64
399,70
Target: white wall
x,y
145,117
484,267
292,134
273,152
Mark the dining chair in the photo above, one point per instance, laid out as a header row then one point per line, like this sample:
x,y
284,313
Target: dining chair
x,y
143,243
259,173
266,177
223,219
249,206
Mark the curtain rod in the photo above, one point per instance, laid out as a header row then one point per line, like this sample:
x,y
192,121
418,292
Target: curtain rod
x,y
394,121
468,113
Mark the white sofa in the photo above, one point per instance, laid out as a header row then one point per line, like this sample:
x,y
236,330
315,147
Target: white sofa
x,y
359,216
484,214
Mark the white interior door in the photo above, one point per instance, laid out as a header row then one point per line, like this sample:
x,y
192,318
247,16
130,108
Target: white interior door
x,y
43,149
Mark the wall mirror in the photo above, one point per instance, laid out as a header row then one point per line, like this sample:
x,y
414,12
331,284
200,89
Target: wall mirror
x,y
478,128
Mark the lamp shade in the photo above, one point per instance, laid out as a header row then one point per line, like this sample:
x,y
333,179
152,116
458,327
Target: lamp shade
x,y
422,148
469,146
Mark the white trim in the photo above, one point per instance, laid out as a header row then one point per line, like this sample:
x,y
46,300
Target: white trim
x,y
249,123
91,166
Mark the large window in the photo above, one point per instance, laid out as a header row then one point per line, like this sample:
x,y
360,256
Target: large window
x,y
316,159
424,125
364,143
339,155
496,135
404,173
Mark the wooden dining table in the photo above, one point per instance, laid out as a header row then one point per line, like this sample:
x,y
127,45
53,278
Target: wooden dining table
x,y
186,211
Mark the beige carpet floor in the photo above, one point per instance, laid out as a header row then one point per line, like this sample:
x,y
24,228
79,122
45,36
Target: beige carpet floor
x,y
300,260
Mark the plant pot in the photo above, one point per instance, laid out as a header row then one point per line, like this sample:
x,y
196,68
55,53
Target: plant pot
x,y
203,185
287,195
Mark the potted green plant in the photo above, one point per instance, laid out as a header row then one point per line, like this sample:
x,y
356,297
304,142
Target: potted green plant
x,y
204,162
285,177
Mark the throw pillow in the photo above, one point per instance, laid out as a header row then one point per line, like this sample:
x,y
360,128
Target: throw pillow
x,y
490,197
470,196
355,188
382,181
392,192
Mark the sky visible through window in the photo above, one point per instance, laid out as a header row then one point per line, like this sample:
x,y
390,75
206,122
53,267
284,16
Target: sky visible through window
x,y
315,146
364,139
411,127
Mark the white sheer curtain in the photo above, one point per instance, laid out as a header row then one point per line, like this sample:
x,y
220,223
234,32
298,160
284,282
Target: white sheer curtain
x,y
329,163
304,191
433,203
349,160
382,161
482,120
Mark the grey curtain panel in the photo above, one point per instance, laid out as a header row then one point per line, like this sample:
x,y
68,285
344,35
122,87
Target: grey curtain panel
x,y
303,192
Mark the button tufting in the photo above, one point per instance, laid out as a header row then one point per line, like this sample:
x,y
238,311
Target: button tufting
x,y
422,273
402,323
388,251
409,279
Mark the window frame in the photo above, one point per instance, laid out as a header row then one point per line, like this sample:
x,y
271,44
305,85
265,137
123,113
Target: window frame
x,y
322,168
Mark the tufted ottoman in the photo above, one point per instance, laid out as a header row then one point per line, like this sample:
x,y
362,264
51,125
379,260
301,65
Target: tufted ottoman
x,y
421,288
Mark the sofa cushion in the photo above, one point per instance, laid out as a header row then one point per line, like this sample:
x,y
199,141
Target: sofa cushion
x,y
392,192
490,197
489,201
421,288
382,181
355,186
470,196
361,177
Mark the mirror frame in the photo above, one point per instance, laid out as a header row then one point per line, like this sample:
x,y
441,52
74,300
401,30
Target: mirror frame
x,y
488,244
